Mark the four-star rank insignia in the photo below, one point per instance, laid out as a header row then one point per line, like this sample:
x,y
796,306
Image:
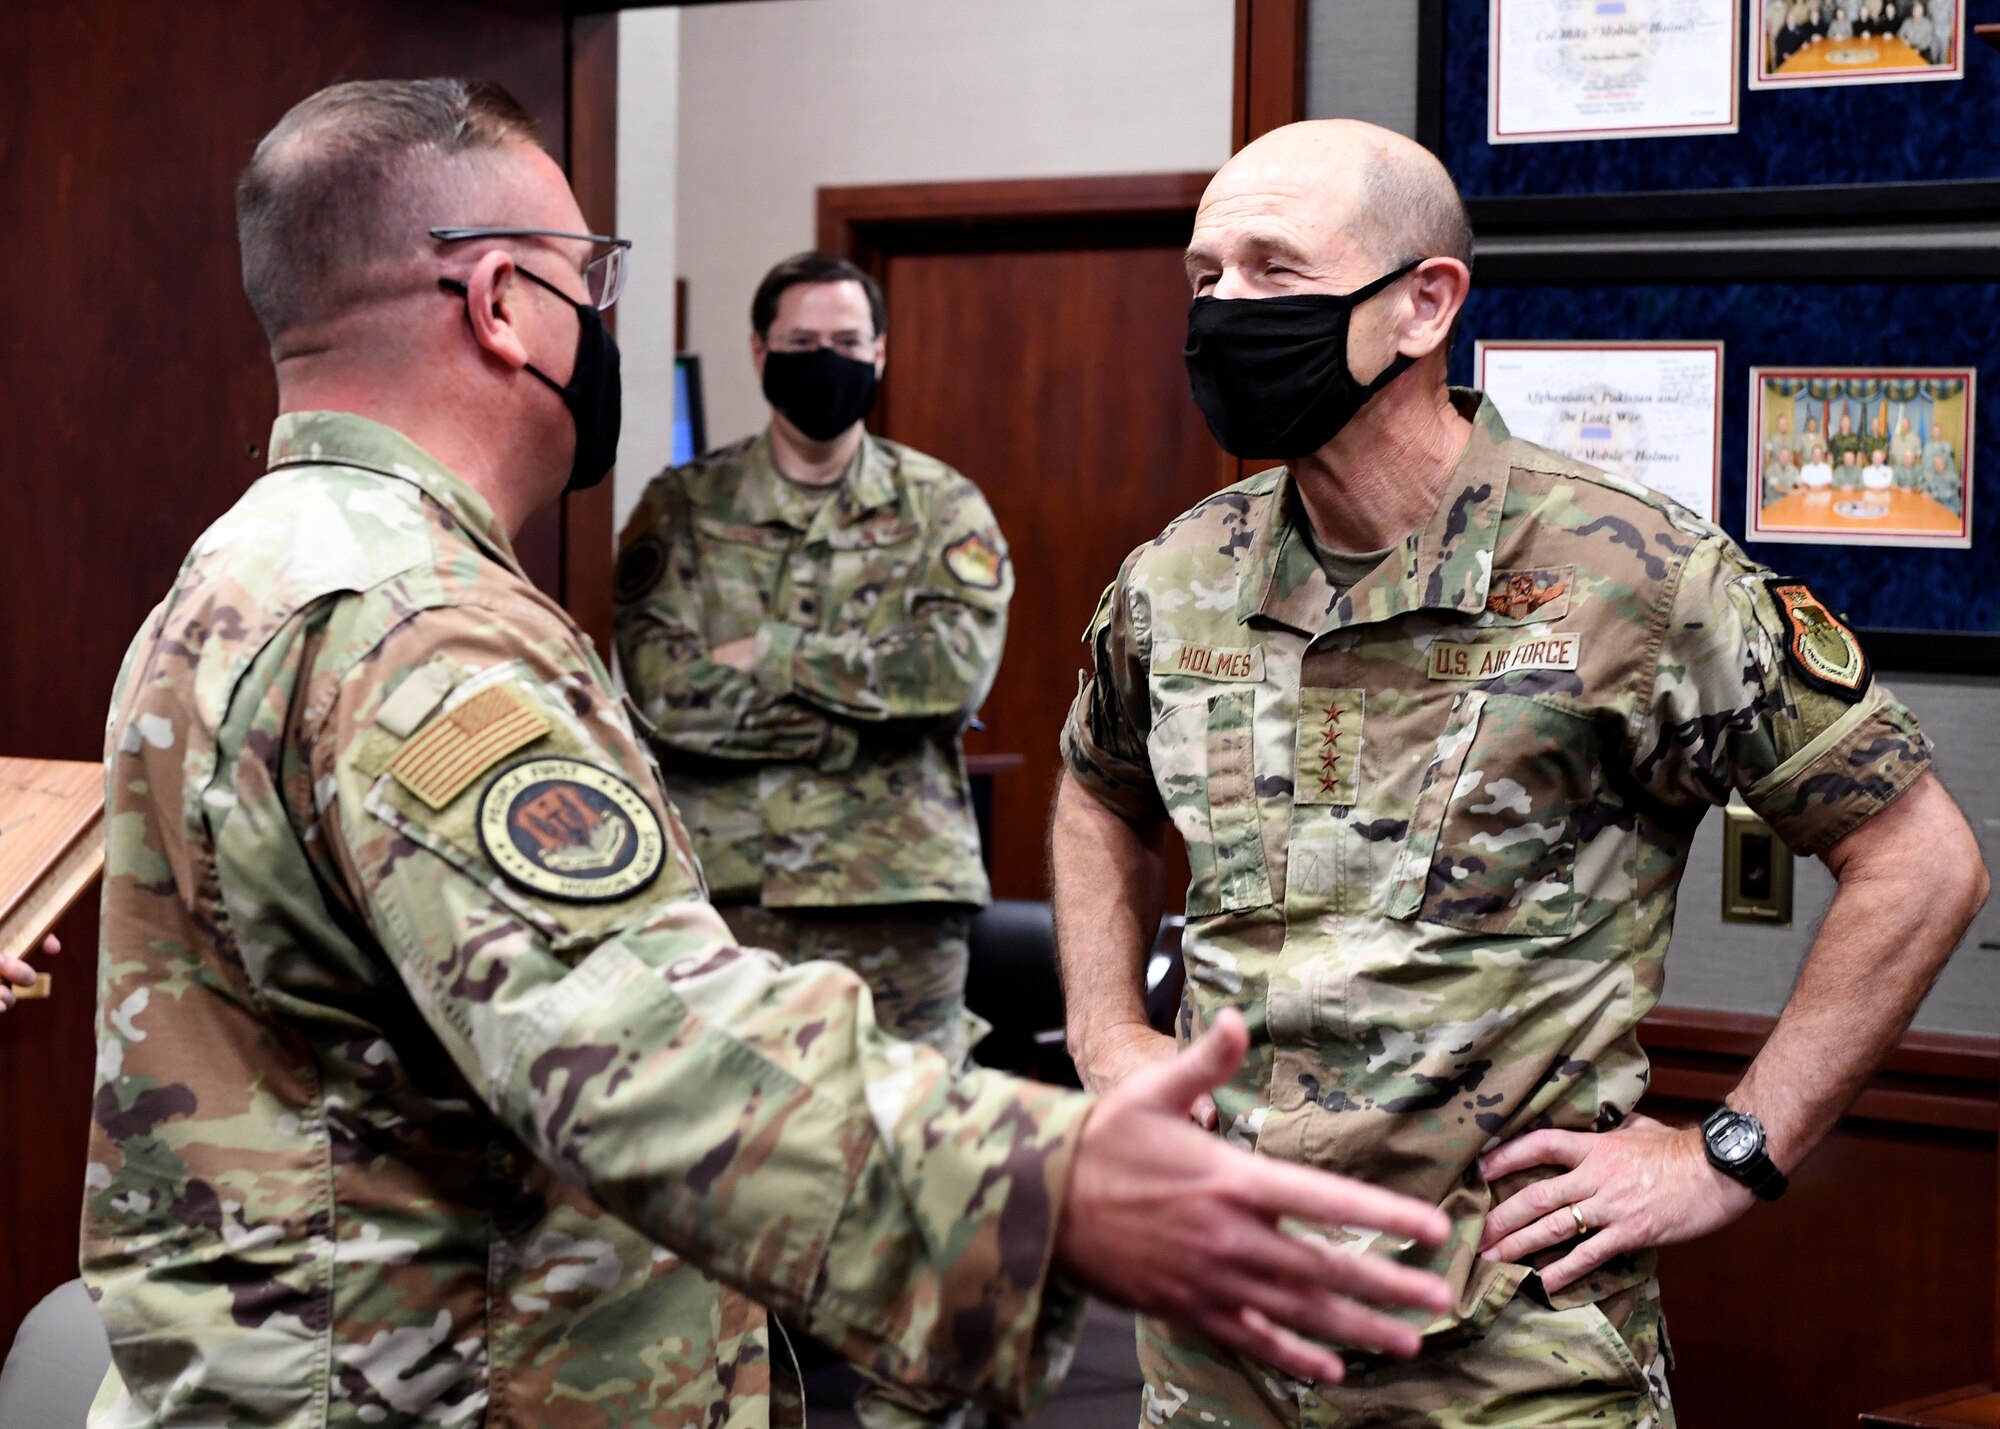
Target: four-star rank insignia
x,y
1817,644
975,561
569,830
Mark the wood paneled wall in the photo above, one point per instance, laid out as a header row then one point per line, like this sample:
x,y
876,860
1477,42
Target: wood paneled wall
x,y
138,397
1871,1280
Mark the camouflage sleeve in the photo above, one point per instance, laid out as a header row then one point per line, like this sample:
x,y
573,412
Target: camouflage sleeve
x,y
938,662
697,705
1104,738
1761,690
496,829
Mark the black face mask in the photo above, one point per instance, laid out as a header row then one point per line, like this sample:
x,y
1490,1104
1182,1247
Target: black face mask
x,y
594,395
820,392
1271,374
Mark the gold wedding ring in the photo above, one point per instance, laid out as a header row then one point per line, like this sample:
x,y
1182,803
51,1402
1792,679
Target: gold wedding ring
x,y
1576,1214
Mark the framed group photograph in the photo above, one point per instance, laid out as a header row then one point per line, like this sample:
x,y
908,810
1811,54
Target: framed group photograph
x,y
1650,412
1867,456
1593,69
1805,43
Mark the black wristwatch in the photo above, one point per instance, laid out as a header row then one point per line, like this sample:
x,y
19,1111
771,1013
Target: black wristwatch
x,y
1734,1141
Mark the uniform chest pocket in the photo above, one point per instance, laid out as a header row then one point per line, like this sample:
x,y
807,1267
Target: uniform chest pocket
x,y
1493,840
740,569
867,575
1205,766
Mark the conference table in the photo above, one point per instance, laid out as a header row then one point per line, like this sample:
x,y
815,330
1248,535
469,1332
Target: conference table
x,y
1825,56
1897,512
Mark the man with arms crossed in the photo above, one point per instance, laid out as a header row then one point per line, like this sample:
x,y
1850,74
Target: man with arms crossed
x,y
1437,714
808,618
431,1090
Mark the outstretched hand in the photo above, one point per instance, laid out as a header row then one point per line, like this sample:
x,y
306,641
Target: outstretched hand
x,y
15,972
1641,1185
1171,1221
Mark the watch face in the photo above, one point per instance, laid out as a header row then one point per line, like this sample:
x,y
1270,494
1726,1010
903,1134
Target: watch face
x,y
1734,1140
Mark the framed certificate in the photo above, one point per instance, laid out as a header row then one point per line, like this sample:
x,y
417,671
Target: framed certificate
x,y
1600,69
1650,412
1861,456
1555,128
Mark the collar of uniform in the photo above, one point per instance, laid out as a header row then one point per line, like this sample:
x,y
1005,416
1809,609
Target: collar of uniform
x,y
868,484
344,439
1447,565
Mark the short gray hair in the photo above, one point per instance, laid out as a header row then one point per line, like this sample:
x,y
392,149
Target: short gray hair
x,y
344,182
1411,209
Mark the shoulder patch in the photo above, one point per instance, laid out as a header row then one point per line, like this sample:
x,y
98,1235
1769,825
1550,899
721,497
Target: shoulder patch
x,y
639,568
569,830
975,561
1818,645
465,742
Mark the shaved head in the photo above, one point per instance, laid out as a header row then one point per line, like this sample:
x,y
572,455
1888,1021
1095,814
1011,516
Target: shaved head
x,y
1351,200
1409,207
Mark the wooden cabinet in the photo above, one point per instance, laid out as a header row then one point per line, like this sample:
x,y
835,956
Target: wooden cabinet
x,y
139,396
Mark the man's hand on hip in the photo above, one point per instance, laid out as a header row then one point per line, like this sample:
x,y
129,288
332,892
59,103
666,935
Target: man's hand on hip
x,y
1644,1184
1106,1060
1170,1221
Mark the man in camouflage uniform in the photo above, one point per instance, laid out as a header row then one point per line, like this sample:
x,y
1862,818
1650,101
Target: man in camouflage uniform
x,y
1940,446
1906,454
1436,800
1848,440
808,618
1779,442
431,1091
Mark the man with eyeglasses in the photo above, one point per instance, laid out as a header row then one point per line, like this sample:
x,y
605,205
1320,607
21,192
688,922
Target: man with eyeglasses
x,y
809,618
431,1090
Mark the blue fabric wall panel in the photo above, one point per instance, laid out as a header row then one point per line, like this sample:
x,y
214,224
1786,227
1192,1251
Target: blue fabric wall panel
x,y
1805,325
1847,134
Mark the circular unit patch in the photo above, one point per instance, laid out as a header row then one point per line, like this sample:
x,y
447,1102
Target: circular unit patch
x,y
640,568
569,830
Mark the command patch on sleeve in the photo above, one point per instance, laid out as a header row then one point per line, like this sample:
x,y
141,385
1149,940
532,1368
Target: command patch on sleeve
x,y
569,830
640,568
1818,644
975,561
465,742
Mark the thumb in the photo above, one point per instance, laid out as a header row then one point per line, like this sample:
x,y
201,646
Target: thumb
x,y
1174,1086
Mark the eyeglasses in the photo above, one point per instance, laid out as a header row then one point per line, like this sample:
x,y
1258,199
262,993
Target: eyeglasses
x,y
603,276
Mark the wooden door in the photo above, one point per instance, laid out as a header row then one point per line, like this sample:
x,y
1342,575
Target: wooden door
x,y
1035,344
138,396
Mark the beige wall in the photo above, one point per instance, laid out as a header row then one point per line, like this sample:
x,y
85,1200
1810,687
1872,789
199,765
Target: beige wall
x,y
779,97
648,121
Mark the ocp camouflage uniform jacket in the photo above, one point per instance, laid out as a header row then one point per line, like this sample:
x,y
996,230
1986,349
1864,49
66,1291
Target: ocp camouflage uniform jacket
x,y
1436,824
422,1061
832,774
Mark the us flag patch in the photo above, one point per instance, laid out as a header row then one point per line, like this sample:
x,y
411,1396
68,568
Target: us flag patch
x,y
465,742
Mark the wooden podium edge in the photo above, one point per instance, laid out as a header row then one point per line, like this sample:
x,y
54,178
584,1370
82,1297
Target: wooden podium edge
x,y
24,927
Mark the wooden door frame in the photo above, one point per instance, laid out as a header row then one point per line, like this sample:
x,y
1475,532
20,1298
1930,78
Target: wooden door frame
x,y
865,223
1270,85
592,162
